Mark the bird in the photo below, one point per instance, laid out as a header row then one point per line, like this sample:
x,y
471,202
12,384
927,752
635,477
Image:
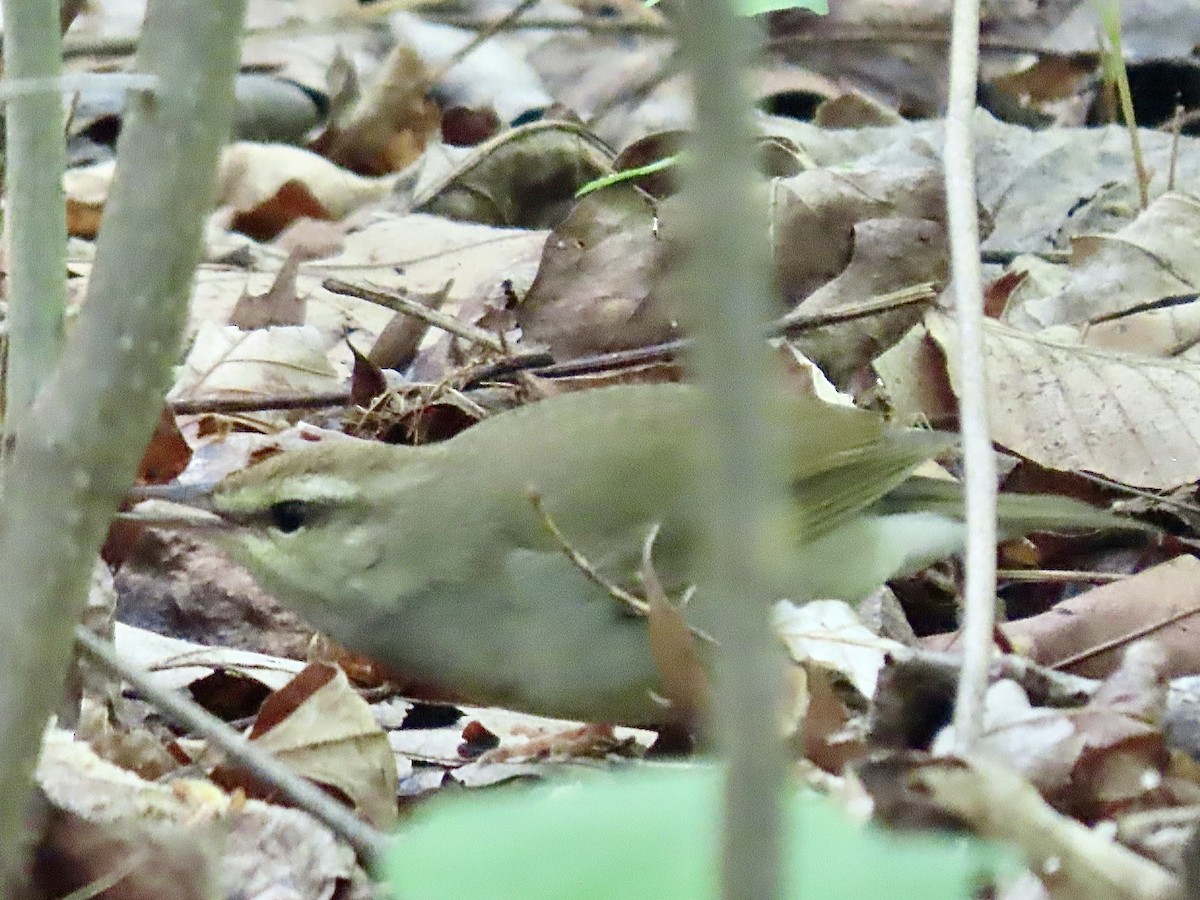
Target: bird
x,y
447,561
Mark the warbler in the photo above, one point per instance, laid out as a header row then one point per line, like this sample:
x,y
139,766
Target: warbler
x,y
447,562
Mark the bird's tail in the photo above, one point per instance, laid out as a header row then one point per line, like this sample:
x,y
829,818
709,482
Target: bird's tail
x,y
1017,513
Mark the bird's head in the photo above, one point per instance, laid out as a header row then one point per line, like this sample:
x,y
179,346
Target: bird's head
x,y
311,525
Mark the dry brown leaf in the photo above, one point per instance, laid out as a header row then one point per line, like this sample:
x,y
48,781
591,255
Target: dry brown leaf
x,y
1043,744
855,110
396,347
121,861
1097,761
323,730
829,633
367,380
1125,755
1149,260
266,850
591,294
469,126
1130,418
674,647
312,238
280,305
916,383
191,591
653,148
165,457
86,189
525,177
251,174
1094,628
391,123
278,360
888,255
424,255
292,202
813,215
173,663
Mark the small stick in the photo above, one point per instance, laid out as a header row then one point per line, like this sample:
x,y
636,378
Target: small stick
x,y
1125,639
637,604
485,34
594,26
793,324
1059,576
1176,131
400,303
220,405
800,320
370,844
538,363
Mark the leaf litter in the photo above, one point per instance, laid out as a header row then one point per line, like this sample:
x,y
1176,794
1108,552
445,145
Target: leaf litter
x,y
1089,346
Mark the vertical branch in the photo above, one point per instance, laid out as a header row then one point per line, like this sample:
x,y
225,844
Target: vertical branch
x,y
36,225
727,291
979,458
76,450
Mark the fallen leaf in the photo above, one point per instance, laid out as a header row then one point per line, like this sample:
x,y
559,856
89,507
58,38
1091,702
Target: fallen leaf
x,y
323,730
1127,417
277,360
1088,633
280,305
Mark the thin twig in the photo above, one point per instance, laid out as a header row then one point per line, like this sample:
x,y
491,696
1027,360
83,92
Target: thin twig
x,y
540,363
639,606
800,320
370,844
1007,257
231,405
791,325
635,603
485,34
1176,131
1059,576
979,458
398,302
1044,685
1125,639
545,23
829,35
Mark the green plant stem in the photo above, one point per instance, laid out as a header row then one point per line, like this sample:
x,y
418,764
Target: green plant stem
x,y
1110,17
37,227
77,448
728,291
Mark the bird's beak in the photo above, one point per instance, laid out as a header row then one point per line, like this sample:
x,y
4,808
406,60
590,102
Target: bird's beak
x,y
185,506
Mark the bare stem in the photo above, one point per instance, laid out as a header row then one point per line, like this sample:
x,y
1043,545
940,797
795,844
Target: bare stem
x,y
979,459
728,304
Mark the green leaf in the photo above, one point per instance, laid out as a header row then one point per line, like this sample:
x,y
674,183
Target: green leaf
x,y
757,7
654,834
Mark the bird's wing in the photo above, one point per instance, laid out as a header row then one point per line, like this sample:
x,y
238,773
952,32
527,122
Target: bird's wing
x,y
857,477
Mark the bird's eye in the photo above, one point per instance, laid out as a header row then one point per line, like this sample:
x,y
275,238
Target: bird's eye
x,y
289,515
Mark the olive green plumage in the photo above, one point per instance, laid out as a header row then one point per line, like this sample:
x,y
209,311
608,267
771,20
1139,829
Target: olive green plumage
x,y
435,560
